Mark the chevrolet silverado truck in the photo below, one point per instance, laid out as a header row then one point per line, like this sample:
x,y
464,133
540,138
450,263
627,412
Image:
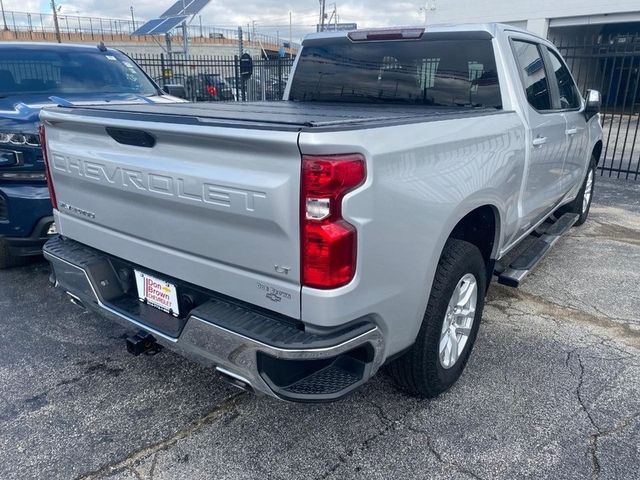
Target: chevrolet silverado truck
x,y
298,246
34,75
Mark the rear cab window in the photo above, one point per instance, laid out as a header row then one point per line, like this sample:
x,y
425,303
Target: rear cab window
x,y
434,71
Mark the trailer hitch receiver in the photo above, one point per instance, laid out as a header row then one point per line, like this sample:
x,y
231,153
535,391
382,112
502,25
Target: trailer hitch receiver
x,y
142,342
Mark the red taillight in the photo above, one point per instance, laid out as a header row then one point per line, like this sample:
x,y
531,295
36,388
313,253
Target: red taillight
x,y
328,242
47,168
213,91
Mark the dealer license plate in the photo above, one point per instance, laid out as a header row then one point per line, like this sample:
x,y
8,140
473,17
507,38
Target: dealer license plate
x,y
157,293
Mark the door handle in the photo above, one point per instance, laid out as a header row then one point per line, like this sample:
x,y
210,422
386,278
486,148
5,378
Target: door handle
x,y
571,131
539,141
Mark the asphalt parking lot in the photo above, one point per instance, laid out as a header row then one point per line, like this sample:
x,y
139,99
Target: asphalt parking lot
x,y
551,390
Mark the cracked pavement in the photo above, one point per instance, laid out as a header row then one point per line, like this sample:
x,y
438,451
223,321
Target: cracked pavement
x,y
551,389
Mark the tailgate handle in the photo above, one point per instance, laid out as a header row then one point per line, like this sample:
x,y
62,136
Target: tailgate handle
x,y
137,138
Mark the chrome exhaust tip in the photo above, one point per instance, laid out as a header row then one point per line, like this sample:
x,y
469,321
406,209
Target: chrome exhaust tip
x,y
75,300
234,380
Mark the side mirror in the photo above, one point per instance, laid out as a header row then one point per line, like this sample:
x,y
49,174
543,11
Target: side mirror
x,y
593,103
175,90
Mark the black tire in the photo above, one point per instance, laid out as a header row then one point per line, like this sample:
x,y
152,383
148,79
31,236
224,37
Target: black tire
x,y
419,370
577,206
6,259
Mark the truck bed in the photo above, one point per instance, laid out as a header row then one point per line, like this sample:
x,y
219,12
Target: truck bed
x,y
284,115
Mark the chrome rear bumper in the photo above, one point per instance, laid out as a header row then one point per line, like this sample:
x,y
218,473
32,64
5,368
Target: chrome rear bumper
x,y
244,344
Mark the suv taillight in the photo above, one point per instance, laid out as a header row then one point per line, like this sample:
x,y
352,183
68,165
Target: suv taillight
x,y
328,241
47,168
212,90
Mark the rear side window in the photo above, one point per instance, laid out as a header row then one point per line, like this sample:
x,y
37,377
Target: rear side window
x,y
569,96
429,72
533,74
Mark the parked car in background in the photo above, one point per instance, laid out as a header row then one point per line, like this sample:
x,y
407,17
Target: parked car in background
x,y
209,87
32,76
275,88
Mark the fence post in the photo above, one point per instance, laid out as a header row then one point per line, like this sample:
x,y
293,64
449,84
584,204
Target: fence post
x,y
162,70
236,68
263,79
279,77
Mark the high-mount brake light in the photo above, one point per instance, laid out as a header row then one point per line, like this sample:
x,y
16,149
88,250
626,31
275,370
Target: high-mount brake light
x,y
328,241
47,167
386,34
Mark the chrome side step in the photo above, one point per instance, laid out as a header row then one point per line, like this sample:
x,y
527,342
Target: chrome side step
x,y
520,267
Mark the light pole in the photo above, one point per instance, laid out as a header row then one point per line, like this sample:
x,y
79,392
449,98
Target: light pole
x,y
322,14
4,19
133,20
55,21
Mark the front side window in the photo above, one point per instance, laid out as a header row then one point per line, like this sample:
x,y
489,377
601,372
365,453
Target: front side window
x,y
533,74
569,95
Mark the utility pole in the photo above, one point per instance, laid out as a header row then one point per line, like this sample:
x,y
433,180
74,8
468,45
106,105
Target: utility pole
x,y
322,14
4,19
185,40
55,21
290,36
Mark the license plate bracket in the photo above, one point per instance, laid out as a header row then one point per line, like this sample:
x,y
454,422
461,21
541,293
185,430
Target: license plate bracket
x,y
157,293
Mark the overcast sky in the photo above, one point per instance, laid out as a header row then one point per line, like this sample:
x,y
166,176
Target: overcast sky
x,y
270,15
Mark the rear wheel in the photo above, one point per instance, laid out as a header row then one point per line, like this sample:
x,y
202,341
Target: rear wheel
x,y
450,324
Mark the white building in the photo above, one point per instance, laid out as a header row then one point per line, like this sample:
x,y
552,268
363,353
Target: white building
x,y
546,18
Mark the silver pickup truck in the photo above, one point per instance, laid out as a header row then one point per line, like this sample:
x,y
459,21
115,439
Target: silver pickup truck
x,y
298,246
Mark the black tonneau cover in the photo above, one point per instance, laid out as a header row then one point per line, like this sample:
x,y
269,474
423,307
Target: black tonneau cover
x,y
282,115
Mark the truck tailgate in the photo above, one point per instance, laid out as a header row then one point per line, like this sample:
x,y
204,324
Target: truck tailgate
x,y
218,207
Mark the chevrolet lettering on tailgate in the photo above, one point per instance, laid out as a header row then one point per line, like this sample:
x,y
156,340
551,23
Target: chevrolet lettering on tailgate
x,y
192,189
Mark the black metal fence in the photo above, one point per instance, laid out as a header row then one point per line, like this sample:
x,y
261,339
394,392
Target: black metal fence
x,y
612,66
208,78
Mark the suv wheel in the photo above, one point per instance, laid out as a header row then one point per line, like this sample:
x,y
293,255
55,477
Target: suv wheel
x,y
450,324
6,259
